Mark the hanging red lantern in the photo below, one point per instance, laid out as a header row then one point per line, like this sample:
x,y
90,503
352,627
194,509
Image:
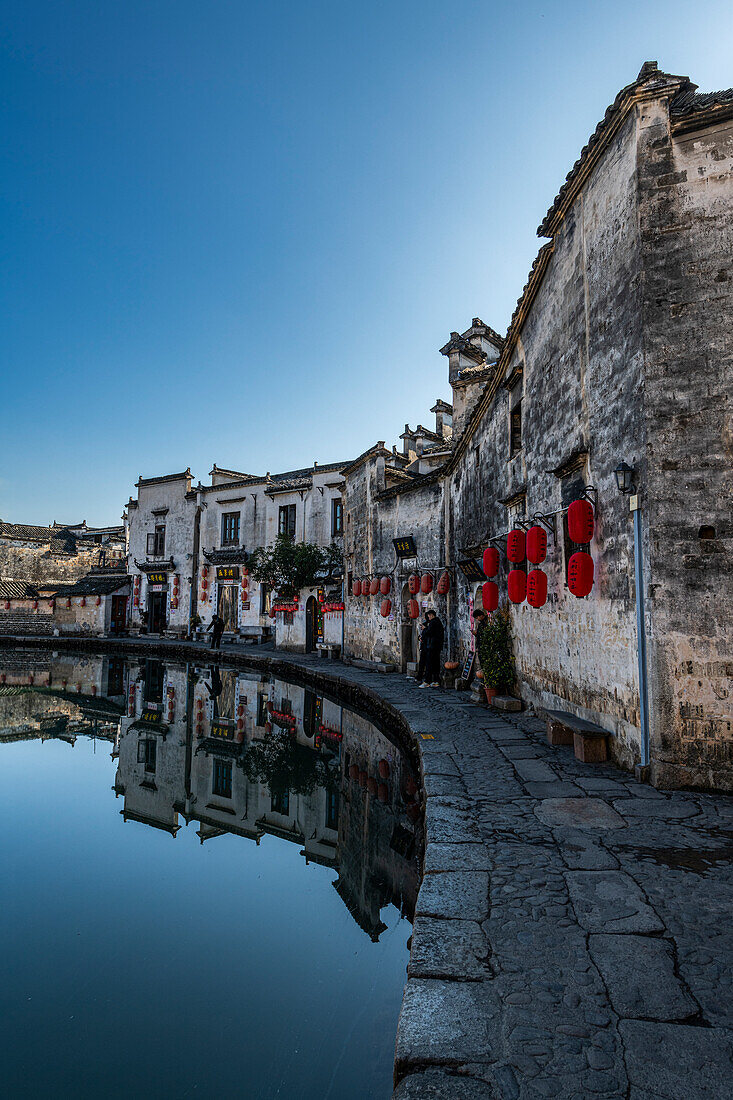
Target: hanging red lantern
x,y
384,769
385,608
385,586
580,574
517,585
413,584
68,602
383,792
353,771
515,545
426,583
240,723
536,545
580,521
490,561
374,586
272,612
413,609
99,600
443,585
489,595
536,588
83,601
7,605
365,586
356,588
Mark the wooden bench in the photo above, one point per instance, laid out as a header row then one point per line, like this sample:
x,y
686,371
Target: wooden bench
x,y
588,740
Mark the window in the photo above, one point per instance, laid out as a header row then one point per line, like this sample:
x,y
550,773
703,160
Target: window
x,y
571,488
280,802
146,754
222,779
287,618
261,708
337,517
156,542
332,810
286,524
515,429
230,529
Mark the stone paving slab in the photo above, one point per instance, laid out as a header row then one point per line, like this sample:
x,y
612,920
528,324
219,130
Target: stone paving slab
x,y
679,1062
454,895
610,901
457,857
437,1084
639,974
445,1022
454,949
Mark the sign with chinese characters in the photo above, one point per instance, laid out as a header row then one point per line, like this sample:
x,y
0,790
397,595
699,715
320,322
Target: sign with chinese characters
x,y
157,578
218,729
471,569
151,717
405,547
227,572
466,670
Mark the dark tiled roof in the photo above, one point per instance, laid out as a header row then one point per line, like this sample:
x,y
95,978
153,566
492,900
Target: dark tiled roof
x,y
691,102
165,477
464,346
230,555
649,76
17,590
26,531
480,328
93,586
288,484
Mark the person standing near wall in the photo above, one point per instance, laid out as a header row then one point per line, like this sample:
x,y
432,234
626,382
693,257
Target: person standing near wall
x,y
431,646
217,627
480,622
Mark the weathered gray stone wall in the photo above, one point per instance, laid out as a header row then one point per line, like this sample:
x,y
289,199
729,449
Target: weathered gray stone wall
x,y
686,218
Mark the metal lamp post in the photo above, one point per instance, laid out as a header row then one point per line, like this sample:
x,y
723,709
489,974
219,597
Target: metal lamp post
x,y
625,482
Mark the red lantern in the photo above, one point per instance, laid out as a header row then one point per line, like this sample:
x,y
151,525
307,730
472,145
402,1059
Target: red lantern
x,y
7,605
426,583
272,612
99,600
385,586
491,561
580,573
240,723
443,583
83,601
372,785
536,545
413,609
365,586
580,521
384,769
536,588
413,584
490,595
356,588
385,608
517,585
515,545
374,586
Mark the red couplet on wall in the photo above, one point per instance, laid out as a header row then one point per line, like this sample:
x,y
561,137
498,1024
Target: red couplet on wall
x,y
426,583
443,585
356,588
413,609
491,561
536,588
580,521
580,573
385,586
517,585
490,595
536,545
385,609
413,584
373,586
515,546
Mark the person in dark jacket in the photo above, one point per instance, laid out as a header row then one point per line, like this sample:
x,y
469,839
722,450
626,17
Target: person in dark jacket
x,y
431,646
217,627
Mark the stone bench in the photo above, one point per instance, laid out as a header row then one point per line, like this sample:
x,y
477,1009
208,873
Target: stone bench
x,y
328,649
588,740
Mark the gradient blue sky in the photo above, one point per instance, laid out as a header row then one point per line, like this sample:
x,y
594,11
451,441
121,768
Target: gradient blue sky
x,y
239,232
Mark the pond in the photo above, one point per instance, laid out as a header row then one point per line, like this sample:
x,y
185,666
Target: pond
x,y
208,878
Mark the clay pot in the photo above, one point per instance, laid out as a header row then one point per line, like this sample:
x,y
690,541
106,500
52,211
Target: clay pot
x,y
490,693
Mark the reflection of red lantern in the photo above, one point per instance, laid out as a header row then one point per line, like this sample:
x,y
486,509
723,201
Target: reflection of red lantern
x,y
426,583
580,574
385,586
385,608
517,585
362,779
536,545
491,561
490,595
374,586
353,771
372,785
515,545
382,792
240,723
413,609
580,521
384,769
240,709
536,588
413,584
443,583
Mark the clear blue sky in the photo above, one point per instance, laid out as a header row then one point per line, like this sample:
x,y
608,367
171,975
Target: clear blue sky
x,y
239,232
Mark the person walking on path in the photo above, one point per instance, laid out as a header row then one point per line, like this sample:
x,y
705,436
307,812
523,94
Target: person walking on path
x,y
431,645
480,622
217,626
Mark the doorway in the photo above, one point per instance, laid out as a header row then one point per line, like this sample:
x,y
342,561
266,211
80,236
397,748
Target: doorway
x,y
118,615
227,606
408,633
157,620
313,624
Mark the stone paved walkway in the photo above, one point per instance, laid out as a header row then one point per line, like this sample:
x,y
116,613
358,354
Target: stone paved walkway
x,y
574,929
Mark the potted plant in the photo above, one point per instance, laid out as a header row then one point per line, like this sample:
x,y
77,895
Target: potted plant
x,y
496,654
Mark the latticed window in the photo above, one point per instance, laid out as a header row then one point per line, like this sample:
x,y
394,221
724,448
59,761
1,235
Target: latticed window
x,y
286,524
222,779
230,528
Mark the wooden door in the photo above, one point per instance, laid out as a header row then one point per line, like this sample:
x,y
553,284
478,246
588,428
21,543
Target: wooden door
x,y
118,615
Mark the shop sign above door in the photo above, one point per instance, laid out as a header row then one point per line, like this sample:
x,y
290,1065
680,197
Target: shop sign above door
x,y
227,572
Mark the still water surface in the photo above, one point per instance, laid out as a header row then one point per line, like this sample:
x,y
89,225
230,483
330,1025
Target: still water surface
x,y
207,881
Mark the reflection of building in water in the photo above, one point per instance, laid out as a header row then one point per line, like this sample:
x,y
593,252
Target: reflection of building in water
x,y
59,697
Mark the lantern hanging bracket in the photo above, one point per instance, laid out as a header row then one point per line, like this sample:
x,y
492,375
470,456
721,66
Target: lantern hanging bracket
x,y
591,494
547,522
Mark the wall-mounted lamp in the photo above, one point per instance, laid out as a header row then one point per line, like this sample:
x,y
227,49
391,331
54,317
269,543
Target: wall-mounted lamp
x,y
625,478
